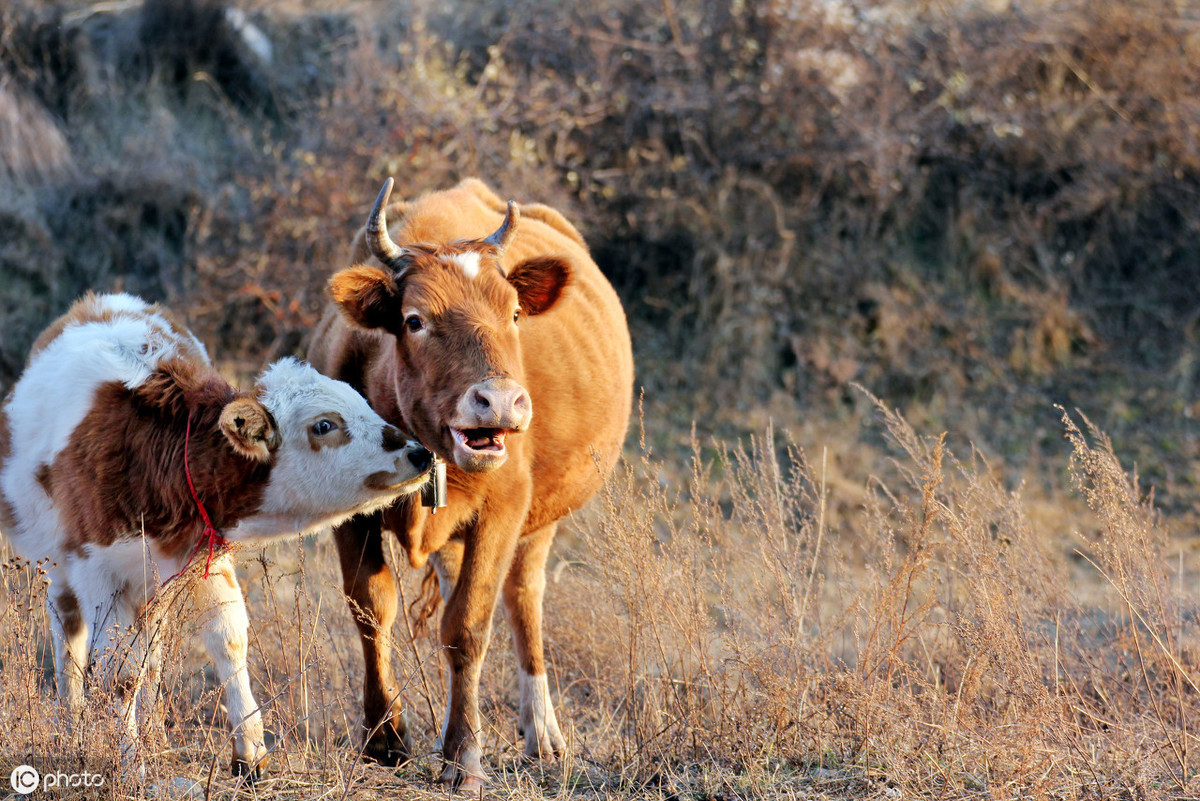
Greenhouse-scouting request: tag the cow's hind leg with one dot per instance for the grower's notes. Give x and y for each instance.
(224, 629)
(116, 653)
(371, 591)
(524, 588)
(447, 563)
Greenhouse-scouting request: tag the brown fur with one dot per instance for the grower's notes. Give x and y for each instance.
(42, 476)
(570, 351)
(71, 615)
(122, 471)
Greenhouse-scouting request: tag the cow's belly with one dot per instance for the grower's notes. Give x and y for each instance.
(579, 372)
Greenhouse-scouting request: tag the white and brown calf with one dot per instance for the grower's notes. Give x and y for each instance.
(120, 443)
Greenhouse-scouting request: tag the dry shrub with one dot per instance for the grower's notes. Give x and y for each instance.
(758, 171)
(187, 42)
(933, 201)
(32, 145)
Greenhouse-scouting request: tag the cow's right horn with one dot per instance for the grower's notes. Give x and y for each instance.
(504, 234)
(382, 246)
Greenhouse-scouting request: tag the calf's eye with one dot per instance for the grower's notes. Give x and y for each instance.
(322, 427)
(413, 323)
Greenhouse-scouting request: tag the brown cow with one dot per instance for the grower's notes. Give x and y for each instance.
(505, 351)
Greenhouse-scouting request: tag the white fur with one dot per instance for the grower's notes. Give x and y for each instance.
(537, 718)
(468, 262)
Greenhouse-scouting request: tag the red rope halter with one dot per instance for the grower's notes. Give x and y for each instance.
(210, 535)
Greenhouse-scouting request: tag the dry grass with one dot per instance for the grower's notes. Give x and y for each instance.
(720, 638)
(977, 211)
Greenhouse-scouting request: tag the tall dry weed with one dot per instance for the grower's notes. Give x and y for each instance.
(942, 641)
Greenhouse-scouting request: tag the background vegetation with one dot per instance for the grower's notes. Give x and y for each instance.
(976, 211)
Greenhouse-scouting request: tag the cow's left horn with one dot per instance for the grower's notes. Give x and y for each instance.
(382, 246)
(504, 233)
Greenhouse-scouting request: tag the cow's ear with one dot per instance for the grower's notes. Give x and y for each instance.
(366, 295)
(540, 282)
(250, 429)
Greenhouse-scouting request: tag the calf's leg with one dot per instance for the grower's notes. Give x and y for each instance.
(70, 635)
(117, 654)
(371, 592)
(524, 588)
(224, 629)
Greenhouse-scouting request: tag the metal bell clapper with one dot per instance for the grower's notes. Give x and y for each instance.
(433, 494)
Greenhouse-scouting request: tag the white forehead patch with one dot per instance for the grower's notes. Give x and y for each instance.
(468, 262)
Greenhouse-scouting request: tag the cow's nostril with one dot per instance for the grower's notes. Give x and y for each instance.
(421, 459)
(481, 401)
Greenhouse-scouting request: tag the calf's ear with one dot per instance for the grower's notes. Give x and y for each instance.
(366, 295)
(250, 429)
(540, 282)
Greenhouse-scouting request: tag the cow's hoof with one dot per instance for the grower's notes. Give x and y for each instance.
(388, 747)
(455, 778)
(464, 775)
(543, 740)
(550, 745)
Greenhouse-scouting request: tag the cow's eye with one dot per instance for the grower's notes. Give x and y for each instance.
(414, 323)
(323, 427)
(516, 315)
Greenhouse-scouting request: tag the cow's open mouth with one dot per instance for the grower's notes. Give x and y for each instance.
(481, 440)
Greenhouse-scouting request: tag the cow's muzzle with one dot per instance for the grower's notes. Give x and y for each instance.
(487, 413)
(498, 403)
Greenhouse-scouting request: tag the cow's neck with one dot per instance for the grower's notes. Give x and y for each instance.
(228, 485)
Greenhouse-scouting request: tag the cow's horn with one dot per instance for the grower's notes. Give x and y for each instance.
(504, 233)
(382, 246)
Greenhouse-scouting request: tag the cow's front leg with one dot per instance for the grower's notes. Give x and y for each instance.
(524, 588)
(465, 631)
(224, 630)
(371, 592)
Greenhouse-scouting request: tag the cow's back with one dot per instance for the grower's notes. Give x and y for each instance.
(102, 340)
(577, 356)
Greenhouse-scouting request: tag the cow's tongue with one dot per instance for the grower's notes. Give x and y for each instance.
(485, 439)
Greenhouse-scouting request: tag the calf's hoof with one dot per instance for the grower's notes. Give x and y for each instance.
(253, 771)
(252, 762)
